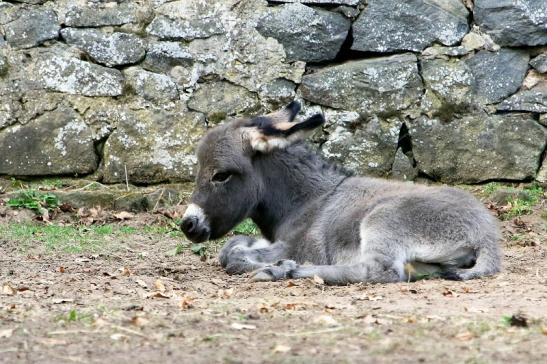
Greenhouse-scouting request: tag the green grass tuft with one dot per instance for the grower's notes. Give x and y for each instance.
(519, 206)
(199, 249)
(34, 200)
(247, 227)
(51, 183)
(55, 238)
(491, 187)
(75, 316)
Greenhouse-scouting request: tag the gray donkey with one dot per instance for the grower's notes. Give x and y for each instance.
(349, 229)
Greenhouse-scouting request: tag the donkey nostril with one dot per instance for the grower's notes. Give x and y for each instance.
(189, 224)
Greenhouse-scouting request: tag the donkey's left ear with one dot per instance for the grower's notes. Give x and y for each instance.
(278, 130)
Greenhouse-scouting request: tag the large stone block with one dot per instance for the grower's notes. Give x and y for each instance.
(246, 58)
(540, 62)
(189, 19)
(154, 145)
(412, 25)
(98, 15)
(367, 148)
(165, 27)
(533, 100)
(32, 27)
(110, 49)
(478, 147)
(221, 99)
(513, 23)
(449, 87)
(403, 168)
(498, 74)
(382, 85)
(319, 2)
(70, 75)
(307, 34)
(151, 86)
(10, 109)
(162, 56)
(57, 143)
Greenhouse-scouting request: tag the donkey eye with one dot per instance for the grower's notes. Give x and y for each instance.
(221, 176)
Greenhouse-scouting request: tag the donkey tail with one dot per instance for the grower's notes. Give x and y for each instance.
(488, 263)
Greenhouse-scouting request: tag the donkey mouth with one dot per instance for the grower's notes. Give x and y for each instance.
(199, 237)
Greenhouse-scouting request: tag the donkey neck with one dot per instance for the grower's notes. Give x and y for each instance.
(291, 178)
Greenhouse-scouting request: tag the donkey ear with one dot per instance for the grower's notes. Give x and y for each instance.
(278, 130)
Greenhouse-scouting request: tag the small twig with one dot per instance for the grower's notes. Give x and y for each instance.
(69, 358)
(9, 350)
(89, 185)
(126, 179)
(305, 333)
(158, 200)
(71, 332)
(136, 333)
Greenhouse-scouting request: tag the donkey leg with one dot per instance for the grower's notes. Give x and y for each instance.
(245, 254)
(374, 268)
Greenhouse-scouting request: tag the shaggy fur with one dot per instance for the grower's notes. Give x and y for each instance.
(345, 228)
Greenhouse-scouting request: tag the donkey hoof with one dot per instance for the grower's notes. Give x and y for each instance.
(262, 276)
(280, 270)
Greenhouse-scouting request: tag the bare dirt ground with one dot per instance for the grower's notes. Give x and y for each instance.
(129, 297)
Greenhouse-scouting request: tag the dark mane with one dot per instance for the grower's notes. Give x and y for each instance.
(310, 155)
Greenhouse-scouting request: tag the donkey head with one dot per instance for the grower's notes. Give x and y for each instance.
(228, 188)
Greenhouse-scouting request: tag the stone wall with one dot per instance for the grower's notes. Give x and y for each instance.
(451, 90)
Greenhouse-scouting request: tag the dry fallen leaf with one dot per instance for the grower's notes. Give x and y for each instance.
(52, 342)
(475, 309)
(375, 298)
(464, 336)
(6, 333)
(124, 215)
(8, 290)
(435, 318)
(225, 293)
(290, 306)
(141, 283)
(369, 298)
(118, 337)
(281, 349)
(262, 308)
(138, 321)
(100, 323)
(159, 285)
(156, 295)
(374, 320)
(447, 292)
(124, 271)
(466, 289)
(186, 302)
(410, 320)
(326, 320)
(238, 326)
